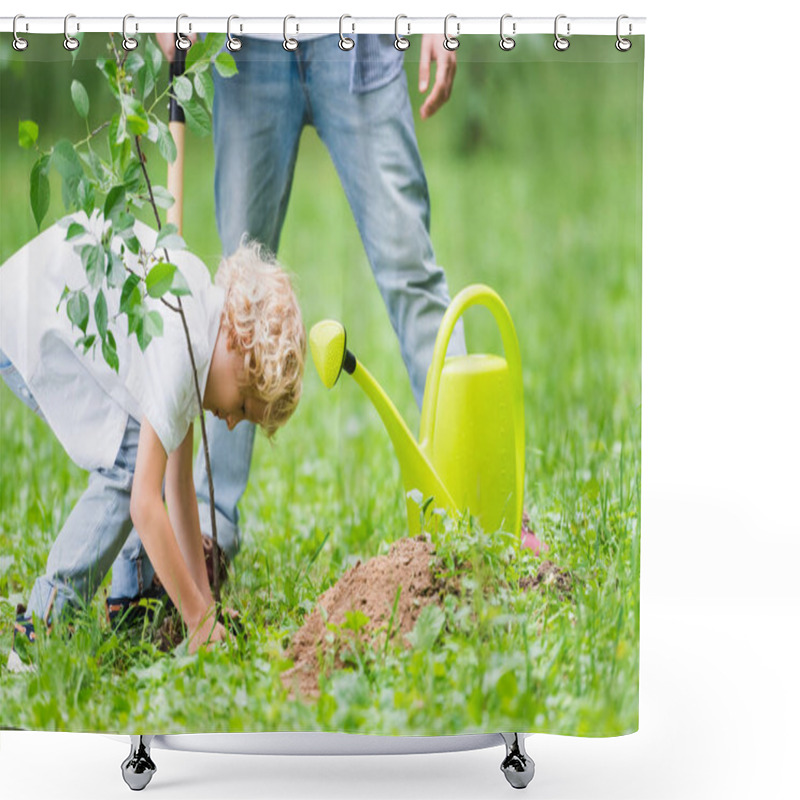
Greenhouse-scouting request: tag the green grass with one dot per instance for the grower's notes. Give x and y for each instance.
(535, 176)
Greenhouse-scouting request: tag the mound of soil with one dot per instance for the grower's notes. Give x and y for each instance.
(370, 588)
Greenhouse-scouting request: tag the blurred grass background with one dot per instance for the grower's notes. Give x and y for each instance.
(534, 169)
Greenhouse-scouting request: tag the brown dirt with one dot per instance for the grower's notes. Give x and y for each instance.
(549, 575)
(370, 588)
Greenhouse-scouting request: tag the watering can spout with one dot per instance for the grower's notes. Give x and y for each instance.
(328, 340)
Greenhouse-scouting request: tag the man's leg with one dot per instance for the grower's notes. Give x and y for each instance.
(258, 116)
(372, 142)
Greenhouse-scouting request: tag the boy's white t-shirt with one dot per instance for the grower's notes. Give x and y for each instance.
(85, 402)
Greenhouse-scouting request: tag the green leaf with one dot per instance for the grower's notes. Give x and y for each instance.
(159, 279)
(146, 82)
(101, 314)
(429, 624)
(130, 297)
(180, 286)
(168, 237)
(94, 262)
(196, 53)
(115, 269)
(152, 130)
(204, 86)
(134, 62)
(86, 341)
(132, 177)
(182, 87)
(116, 136)
(214, 41)
(75, 229)
(28, 133)
(197, 118)
(64, 295)
(96, 169)
(110, 352)
(78, 310)
(66, 160)
(131, 241)
(40, 190)
(136, 116)
(124, 222)
(115, 203)
(80, 98)
(147, 327)
(84, 195)
(69, 166)
(154, 324)
(225, 65)
(162, 197)
(152, 56)
(108, 66)
(166, 144)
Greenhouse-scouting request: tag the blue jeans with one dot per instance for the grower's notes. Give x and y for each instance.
(259, 115)
(96, 528)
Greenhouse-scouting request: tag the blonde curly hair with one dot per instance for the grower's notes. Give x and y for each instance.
(264, 324)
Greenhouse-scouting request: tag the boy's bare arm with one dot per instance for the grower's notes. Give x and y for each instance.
(152, 522)
(182, 506)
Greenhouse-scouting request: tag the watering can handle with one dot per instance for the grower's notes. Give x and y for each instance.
(478, 294)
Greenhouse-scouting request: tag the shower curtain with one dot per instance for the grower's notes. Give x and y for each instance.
(475, 572)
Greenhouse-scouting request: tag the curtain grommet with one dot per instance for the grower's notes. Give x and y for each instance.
(622, 44)
(18, 43)
(181, 42)
(507, 42)
(70, 42)
(451, 42)
(233, 44)
(400, 42)
(289, 44)
(560, 43)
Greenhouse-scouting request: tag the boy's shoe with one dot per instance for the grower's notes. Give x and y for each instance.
(19, 659)
(131, 611)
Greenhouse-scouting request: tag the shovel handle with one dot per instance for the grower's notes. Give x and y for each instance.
(177, 127)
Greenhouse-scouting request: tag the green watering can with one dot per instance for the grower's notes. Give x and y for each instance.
(471, 450)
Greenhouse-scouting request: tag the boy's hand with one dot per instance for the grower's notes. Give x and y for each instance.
(207, 632)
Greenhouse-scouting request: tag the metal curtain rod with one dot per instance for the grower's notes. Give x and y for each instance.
(406, 26)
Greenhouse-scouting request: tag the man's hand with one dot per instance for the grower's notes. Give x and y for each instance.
(433, 50)
(166, 41)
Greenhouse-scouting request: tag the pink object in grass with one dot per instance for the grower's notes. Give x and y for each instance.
(530, 539)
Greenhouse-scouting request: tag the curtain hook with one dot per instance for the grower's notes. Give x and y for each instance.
(19, 43)
(181, 42)
(400, 42)
(70, 42)
(345, 42)
(451, 42)
(288, 43)
(623, 45)
(507, 42)
(233, 44)
(560, 43)
(128, 42)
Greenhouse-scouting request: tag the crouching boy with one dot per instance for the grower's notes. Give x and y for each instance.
(132, 428)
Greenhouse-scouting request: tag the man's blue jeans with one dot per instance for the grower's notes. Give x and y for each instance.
(259, 115)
